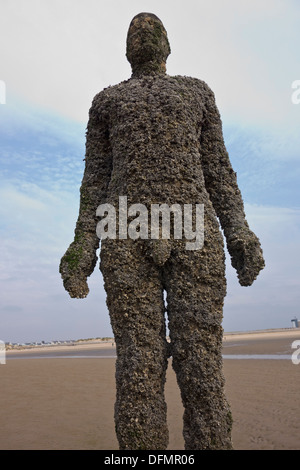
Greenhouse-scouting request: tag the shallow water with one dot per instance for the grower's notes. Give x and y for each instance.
(257, 356)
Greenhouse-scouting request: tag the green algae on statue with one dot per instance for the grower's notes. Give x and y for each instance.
(158, 139)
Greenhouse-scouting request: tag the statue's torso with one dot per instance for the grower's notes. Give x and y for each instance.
(154, 126)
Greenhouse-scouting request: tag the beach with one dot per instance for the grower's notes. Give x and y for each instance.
(67, 401)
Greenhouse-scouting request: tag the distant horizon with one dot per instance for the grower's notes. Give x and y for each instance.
(107, 338)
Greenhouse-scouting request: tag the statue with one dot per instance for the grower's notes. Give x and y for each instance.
(157, 139)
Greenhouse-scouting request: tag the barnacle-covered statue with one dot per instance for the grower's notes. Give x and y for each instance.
(157, 139)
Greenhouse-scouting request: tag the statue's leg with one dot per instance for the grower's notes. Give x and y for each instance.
(196, 286)
(135, 302)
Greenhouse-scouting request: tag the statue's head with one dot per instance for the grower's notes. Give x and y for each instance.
(147, 45)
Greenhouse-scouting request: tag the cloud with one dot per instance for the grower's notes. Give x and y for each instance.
(246, 51)
(37, 227)
(267, 164)
(40, 148)
(70, 50)
(65, 50)
(273, 298)
(41, 171)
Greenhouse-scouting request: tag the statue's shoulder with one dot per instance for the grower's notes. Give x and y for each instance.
(198, 88)
(108, 95)
(192, 82)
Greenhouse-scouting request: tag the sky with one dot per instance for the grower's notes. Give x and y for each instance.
(55, 56)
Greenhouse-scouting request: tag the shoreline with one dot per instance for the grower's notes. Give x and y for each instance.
(239, 336)
(92, 344)
(260, 334)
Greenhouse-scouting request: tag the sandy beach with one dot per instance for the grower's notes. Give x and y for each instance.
(68, 403)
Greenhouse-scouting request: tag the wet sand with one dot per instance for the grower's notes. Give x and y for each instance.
(68, 403)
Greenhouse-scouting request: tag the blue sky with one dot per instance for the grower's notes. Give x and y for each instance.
(55, 56)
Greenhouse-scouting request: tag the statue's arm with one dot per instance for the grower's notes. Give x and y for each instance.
(221, 184)
(80, 258)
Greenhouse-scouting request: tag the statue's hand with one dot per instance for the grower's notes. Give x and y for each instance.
(75, 266)
(77, 288)
(246, 255)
